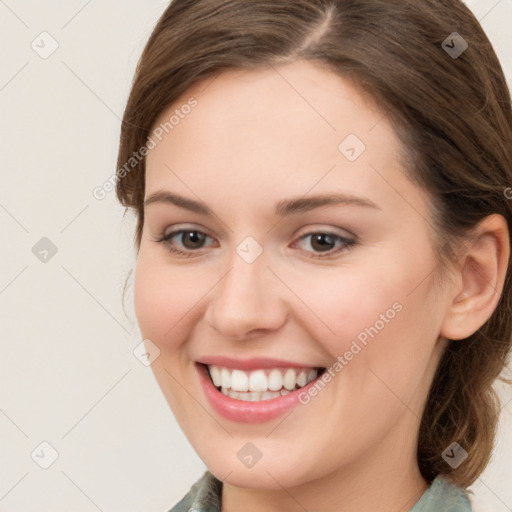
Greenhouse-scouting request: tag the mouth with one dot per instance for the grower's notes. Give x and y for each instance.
(260, 384)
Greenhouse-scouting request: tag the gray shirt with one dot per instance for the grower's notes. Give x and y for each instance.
(442, 496)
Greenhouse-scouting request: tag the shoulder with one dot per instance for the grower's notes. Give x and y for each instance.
(443, 495)
(203, 496)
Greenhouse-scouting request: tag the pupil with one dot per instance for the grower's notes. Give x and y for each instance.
(321, 238)
(195, 237)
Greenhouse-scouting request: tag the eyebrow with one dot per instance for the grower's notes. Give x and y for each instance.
(283, 208)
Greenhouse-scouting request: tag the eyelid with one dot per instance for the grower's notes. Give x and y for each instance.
(328, 230)
(347, 243)
(185, 227)
(178, 230)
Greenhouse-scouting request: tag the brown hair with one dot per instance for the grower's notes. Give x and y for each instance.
(452, 113)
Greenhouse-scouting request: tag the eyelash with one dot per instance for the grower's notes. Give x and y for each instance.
(349, 244)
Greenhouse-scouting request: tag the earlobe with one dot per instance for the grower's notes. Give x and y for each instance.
(480, 280)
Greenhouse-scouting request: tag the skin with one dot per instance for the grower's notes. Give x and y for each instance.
(255, 138)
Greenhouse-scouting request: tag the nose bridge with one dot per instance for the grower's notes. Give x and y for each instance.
(246, 299)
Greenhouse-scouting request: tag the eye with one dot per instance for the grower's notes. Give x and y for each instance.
(191, 240)
(324, 243)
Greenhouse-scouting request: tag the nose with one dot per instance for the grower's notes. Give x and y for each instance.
(247, 301)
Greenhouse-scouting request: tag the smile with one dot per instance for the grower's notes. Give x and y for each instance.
(263, 400)
(260, 384)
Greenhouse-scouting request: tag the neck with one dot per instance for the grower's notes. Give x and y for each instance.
(386, 479)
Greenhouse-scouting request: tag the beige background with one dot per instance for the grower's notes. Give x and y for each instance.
(68, 376)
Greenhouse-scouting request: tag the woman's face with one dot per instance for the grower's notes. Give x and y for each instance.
(274, 278)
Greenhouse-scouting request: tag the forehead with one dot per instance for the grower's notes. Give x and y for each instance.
(279, 131)
(281, 93)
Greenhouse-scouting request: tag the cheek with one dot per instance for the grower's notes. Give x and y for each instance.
(165, 300)
(150, 300)
(166, 306)
(387, 306)
(344, 302)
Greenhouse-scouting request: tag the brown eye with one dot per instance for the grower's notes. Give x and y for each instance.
(322, 241)
(192, 239)
(184, 242)
(325, 244)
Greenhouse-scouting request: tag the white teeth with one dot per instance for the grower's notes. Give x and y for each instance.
(275, 380)
(290, 379)
(225, 378)
(239, 381)
(302, 379)
(258, 381)
(253, 396)
(215, 374)
(261, 384)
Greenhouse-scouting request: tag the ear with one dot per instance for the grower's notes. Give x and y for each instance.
(479, 279)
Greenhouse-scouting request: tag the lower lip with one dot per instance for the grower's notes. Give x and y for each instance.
(249, 412)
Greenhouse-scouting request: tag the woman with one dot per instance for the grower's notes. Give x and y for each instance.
(323, 247)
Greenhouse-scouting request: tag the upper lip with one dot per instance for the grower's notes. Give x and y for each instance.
(252, 363)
